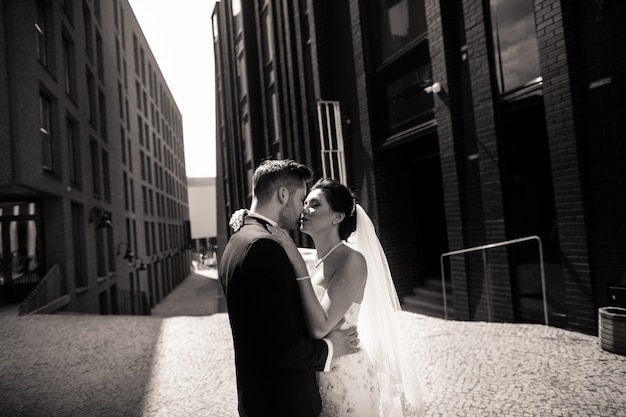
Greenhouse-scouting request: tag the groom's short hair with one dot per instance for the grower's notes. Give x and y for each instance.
(272, 174)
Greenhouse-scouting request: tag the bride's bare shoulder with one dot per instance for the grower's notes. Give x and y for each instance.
(352, 258)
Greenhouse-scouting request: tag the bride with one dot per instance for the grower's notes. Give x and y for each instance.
(351, 280)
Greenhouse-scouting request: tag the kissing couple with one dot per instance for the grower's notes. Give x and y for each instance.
(297, 349)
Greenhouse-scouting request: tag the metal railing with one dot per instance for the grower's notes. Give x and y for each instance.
(48, 290)
(487, 280)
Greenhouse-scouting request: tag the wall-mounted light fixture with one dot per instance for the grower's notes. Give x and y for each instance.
(102, 218)
(128, 254)
(434, 88)
(141, 266)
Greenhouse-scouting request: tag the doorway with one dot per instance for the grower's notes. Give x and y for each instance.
(411, 211)
(529, 207)
(20, 249)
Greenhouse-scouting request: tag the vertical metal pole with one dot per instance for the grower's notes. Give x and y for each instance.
(487, 283)
(543, 283)
(443, 288)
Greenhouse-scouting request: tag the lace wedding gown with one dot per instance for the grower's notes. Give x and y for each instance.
(350, 388)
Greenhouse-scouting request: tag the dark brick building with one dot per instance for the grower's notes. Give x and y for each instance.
(93, 191)
(462, 124)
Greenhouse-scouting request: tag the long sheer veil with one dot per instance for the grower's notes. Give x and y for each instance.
(379, 327)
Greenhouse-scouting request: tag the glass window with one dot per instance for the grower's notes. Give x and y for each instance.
(88, 30)
(68, 8)
(238, 18)
(73, 147)
(45, 115)
(136, 53)
(401, 22)
(407, 100)
(96, 6)
(40, 32)
(95, 167)
(100, 258)
(515, 43)
(99, 55)
(274, 122)
(123, 144)
(242, 79)
(102, 115)
(106, 176)
(126, 199)
(91, 92)
(247, 137)
(68, 66)
(268, 37)
(142, 162)
(78, 242)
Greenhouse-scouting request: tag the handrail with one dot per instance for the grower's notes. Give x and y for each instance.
(46, 291)
(483, 248)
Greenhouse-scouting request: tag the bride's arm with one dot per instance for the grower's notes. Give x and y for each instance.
(347, 282)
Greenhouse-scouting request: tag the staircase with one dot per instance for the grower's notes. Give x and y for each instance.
(427, 299)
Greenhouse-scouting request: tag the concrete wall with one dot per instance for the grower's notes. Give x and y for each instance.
(202, 207)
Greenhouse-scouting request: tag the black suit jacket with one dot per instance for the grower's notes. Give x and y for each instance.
(275, 358)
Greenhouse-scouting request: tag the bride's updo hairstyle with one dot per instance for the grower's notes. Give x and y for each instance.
(341, 200)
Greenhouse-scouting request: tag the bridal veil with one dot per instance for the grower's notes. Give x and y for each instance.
(379, 327)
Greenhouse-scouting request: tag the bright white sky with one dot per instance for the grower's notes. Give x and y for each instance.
(180, 36)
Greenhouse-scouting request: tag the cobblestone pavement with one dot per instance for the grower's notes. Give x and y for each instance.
(84, 365)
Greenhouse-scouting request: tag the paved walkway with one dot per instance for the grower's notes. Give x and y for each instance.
(179, 363)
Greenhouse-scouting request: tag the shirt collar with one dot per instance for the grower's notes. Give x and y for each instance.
(266, 219)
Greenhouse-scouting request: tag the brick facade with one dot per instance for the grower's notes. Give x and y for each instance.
(580, 95)
(103, 43)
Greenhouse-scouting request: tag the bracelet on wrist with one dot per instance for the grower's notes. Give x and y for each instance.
(303, 278)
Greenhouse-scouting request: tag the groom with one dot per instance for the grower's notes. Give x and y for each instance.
(275, 358)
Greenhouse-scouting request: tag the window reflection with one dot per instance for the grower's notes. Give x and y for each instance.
(515, 43)
(401, 22)
(406, 99)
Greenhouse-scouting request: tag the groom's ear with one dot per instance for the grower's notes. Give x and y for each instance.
(283, 195)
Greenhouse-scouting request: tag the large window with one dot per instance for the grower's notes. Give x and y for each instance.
(102, 115)
(106, 175)
(401, 101)
(88, 30)
(45, 131)
(95, 167)
(73, 150)
(515, 46)
(78, 242)
(400, 22)
(91, 95)
(69, 66)
(41, 33)
(407, 102)
(401, 107)
(99, 55)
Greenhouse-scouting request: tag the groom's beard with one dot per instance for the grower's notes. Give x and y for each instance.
(287, 218)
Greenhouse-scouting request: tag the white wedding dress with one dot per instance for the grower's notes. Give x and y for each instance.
(350, 388)
(380, 380)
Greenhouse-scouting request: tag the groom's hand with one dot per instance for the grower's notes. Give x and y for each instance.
(344, 341)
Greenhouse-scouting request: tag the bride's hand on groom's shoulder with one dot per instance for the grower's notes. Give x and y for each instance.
(285, 240)
(237, 218)
(282, 236)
